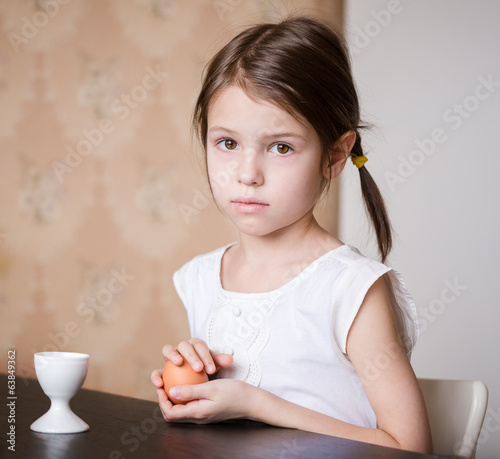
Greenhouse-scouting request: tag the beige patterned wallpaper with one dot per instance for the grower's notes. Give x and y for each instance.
(102, 195)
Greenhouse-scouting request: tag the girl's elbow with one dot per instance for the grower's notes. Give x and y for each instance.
(423, 446)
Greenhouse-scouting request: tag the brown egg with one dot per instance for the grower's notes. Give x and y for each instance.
(175, 375)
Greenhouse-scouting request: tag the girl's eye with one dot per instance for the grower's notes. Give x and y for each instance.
(228, 144)
(281, 148)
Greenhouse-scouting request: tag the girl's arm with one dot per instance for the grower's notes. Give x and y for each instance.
(380, 360)
(392, 390)
(379, 357)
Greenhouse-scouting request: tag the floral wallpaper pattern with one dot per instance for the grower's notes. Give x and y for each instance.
(102, 194)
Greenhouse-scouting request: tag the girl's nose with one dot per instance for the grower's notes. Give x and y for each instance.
(250, 171)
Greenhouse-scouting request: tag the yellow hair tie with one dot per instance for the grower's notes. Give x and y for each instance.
(359, 161)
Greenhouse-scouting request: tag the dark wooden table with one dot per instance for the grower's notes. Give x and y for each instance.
(124, 427)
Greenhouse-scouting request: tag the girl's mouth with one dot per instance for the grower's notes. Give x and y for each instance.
(249, 205)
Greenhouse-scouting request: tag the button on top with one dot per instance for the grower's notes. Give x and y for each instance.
(228, 350)
(236, 311)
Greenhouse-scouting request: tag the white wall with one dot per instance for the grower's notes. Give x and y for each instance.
(421, 71)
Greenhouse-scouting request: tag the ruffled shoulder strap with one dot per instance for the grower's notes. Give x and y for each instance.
(358, 275)
(195, 276)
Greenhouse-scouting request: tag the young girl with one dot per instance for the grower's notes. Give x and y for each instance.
(295, 328)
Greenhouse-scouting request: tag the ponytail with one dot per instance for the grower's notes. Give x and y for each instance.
(374, 203)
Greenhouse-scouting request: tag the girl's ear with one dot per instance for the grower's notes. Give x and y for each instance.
(339, 154)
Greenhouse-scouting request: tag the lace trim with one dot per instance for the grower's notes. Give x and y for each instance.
(240, 327)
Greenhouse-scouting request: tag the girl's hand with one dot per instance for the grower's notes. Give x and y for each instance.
(213, 401)
(197, 354)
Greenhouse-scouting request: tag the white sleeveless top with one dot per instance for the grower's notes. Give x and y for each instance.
(292, 341)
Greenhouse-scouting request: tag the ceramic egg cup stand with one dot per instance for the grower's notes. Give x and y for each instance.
(61, 375)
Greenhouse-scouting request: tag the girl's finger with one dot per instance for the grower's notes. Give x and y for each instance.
(188, 392)
(190, 354)
(175, 413)
(222, 360)
(156, 378)
(205, 355)
(164, 403)
(171, 353)
(162, 397)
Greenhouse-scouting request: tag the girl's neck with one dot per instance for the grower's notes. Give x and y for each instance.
(280, 244)
(264, 263)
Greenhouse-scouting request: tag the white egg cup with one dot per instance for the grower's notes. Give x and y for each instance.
(61, 375)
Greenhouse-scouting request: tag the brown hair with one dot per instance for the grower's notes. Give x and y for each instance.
(302, 66)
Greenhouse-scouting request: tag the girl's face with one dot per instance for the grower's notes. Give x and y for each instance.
(263, 164)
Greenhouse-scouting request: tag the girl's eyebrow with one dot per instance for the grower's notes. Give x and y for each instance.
(285, 134)
(267, 134)
(220, 128)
